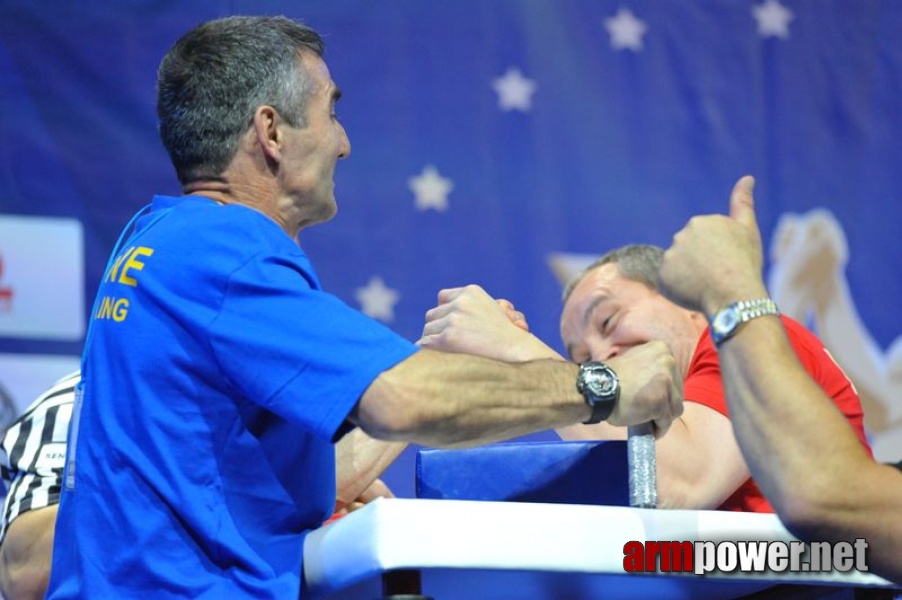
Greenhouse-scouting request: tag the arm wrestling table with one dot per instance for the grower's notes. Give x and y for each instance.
(474, 550)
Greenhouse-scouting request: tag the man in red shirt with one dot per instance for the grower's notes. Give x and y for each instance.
(615, 304)
(611, 307)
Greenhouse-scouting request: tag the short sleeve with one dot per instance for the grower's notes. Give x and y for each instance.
(296, 350)
(704, 383)
(34, 452)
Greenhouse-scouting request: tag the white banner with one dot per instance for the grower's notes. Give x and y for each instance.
(23, 377)
(41, 278)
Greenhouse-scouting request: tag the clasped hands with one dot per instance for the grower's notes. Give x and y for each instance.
(467, 319)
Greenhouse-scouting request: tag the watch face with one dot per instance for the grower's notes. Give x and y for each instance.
(600, 387)
(725, 320)
(599, 381)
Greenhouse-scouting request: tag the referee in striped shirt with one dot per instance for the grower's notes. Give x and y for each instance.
(31, 463)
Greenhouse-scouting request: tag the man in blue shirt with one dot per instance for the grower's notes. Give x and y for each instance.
(217, 374)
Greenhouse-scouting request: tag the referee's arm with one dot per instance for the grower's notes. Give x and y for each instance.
(25, 554)
(31, 465)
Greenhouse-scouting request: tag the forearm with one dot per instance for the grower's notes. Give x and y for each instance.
(359, 461)
(442, 399)
(597, 432)
(802, 452)
(798, 446)
(796, 442)
(25, 555)
(699, 464)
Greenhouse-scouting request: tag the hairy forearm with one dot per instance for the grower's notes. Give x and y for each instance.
(442, 399)
(773, 403)
(359, 461)
(798, 446)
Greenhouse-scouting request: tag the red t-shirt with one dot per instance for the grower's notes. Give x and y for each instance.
(704, 386)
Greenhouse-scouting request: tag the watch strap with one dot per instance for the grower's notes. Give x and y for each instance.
(601, 402)
(744, 311)
(600, 412)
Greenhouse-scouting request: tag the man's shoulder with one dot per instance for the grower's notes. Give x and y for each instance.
(230, 234)
(703, 383)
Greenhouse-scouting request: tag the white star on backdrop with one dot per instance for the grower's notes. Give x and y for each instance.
(377, 300)
(431, 189)
(514, 91)
(566, 266)
(773, 19)
(626, 30)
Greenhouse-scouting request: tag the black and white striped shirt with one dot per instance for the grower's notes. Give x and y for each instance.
(33, 452)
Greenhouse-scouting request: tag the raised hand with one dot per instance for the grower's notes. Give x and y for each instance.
(716, 259)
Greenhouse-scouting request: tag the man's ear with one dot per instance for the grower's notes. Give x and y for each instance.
(267, 131)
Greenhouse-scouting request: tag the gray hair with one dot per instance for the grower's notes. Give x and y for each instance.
(215, 76)
(638, 262)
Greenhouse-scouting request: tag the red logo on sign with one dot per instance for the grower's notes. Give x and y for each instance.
(6, 293)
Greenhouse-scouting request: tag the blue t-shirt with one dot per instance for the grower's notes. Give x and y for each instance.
(217, 375)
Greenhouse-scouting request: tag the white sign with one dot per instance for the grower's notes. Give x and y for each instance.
(23, 377)
(41, 278)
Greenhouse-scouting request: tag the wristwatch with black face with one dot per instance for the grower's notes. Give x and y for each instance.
(600, 386)
(727, 321)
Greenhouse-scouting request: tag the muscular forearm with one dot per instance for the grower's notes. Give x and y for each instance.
(802, 452)
(359, 461)
(699, 464)
(443, 399)
(772, 402)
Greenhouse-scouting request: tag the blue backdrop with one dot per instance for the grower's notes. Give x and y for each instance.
(490, 137)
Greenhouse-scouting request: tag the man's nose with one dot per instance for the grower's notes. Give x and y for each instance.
(344, 150)
(604, 351)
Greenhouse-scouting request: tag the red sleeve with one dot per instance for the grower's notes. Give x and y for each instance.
(703, 384)
(823, 368)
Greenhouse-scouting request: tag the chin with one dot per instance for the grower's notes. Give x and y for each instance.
(326, 212)
(331, 210)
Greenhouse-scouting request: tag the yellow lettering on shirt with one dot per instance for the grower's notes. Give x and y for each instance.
(134, 264)
(112, 308)
(111, 276)
(125, 270)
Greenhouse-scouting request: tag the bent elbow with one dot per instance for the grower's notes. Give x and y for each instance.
(23, 581)
(805, 513)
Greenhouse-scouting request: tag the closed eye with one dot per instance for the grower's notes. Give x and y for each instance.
(608, 323)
